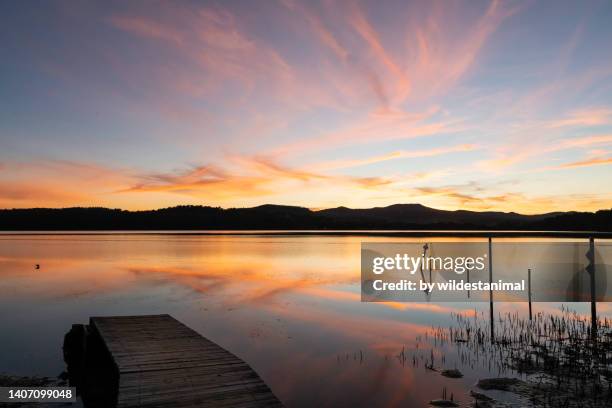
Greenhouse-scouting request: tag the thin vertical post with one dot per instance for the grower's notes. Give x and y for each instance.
(529, 290)
(491, 290)
(591, 257)
(468, 279)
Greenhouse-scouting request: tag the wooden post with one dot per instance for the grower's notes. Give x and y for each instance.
(529, 290)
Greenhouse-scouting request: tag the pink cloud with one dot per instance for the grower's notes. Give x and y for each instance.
(400, 154)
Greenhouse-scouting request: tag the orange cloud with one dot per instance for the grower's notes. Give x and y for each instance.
(13, 194)
(461, 196)
(596, 161)
(253, 177)
(475, 197)
(199, 181)
(53, 183)
(249, 181)
(269, 167)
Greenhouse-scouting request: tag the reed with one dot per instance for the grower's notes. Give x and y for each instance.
(562, 361)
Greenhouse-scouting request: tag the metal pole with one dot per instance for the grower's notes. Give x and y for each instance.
(491, 291)
(529, 289)
(468, 279)
(593, 299)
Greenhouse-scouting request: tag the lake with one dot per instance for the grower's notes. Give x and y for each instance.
(288, 305)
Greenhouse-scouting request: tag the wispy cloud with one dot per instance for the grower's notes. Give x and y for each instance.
(250, 177)
(595, 161)
(309, 103)
(400, 154)
(147, 28)
(484, 200)
(373, 129)
(517, 153)
(584, 118)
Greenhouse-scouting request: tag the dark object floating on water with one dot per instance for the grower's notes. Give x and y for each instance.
(502, 384)
(155, 361)
(480, 396)
(452, 373)
(37, 266)
(443, 402)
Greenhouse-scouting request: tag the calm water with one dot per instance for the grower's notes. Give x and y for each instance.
(288, 305)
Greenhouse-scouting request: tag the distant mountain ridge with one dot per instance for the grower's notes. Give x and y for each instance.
(269, 216)
(419, 214)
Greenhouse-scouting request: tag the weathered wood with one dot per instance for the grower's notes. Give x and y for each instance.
(163, 363)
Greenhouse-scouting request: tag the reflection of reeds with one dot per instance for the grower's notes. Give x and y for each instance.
(559, 354)
(357, 356)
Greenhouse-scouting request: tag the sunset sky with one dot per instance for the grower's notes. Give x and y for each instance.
(476, 105)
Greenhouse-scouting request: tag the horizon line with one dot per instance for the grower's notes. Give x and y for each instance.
(312, 209)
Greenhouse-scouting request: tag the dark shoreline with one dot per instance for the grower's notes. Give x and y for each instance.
(353, 233)
(407, 219)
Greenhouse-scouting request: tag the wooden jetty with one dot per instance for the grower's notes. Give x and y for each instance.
(161, 363)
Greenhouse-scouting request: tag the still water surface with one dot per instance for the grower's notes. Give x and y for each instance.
(288, 305)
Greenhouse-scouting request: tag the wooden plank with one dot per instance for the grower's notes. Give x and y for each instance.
(163, 363)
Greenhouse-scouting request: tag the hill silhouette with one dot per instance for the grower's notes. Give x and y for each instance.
(398, 216)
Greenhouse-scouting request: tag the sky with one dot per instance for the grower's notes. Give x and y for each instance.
(478, 105)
